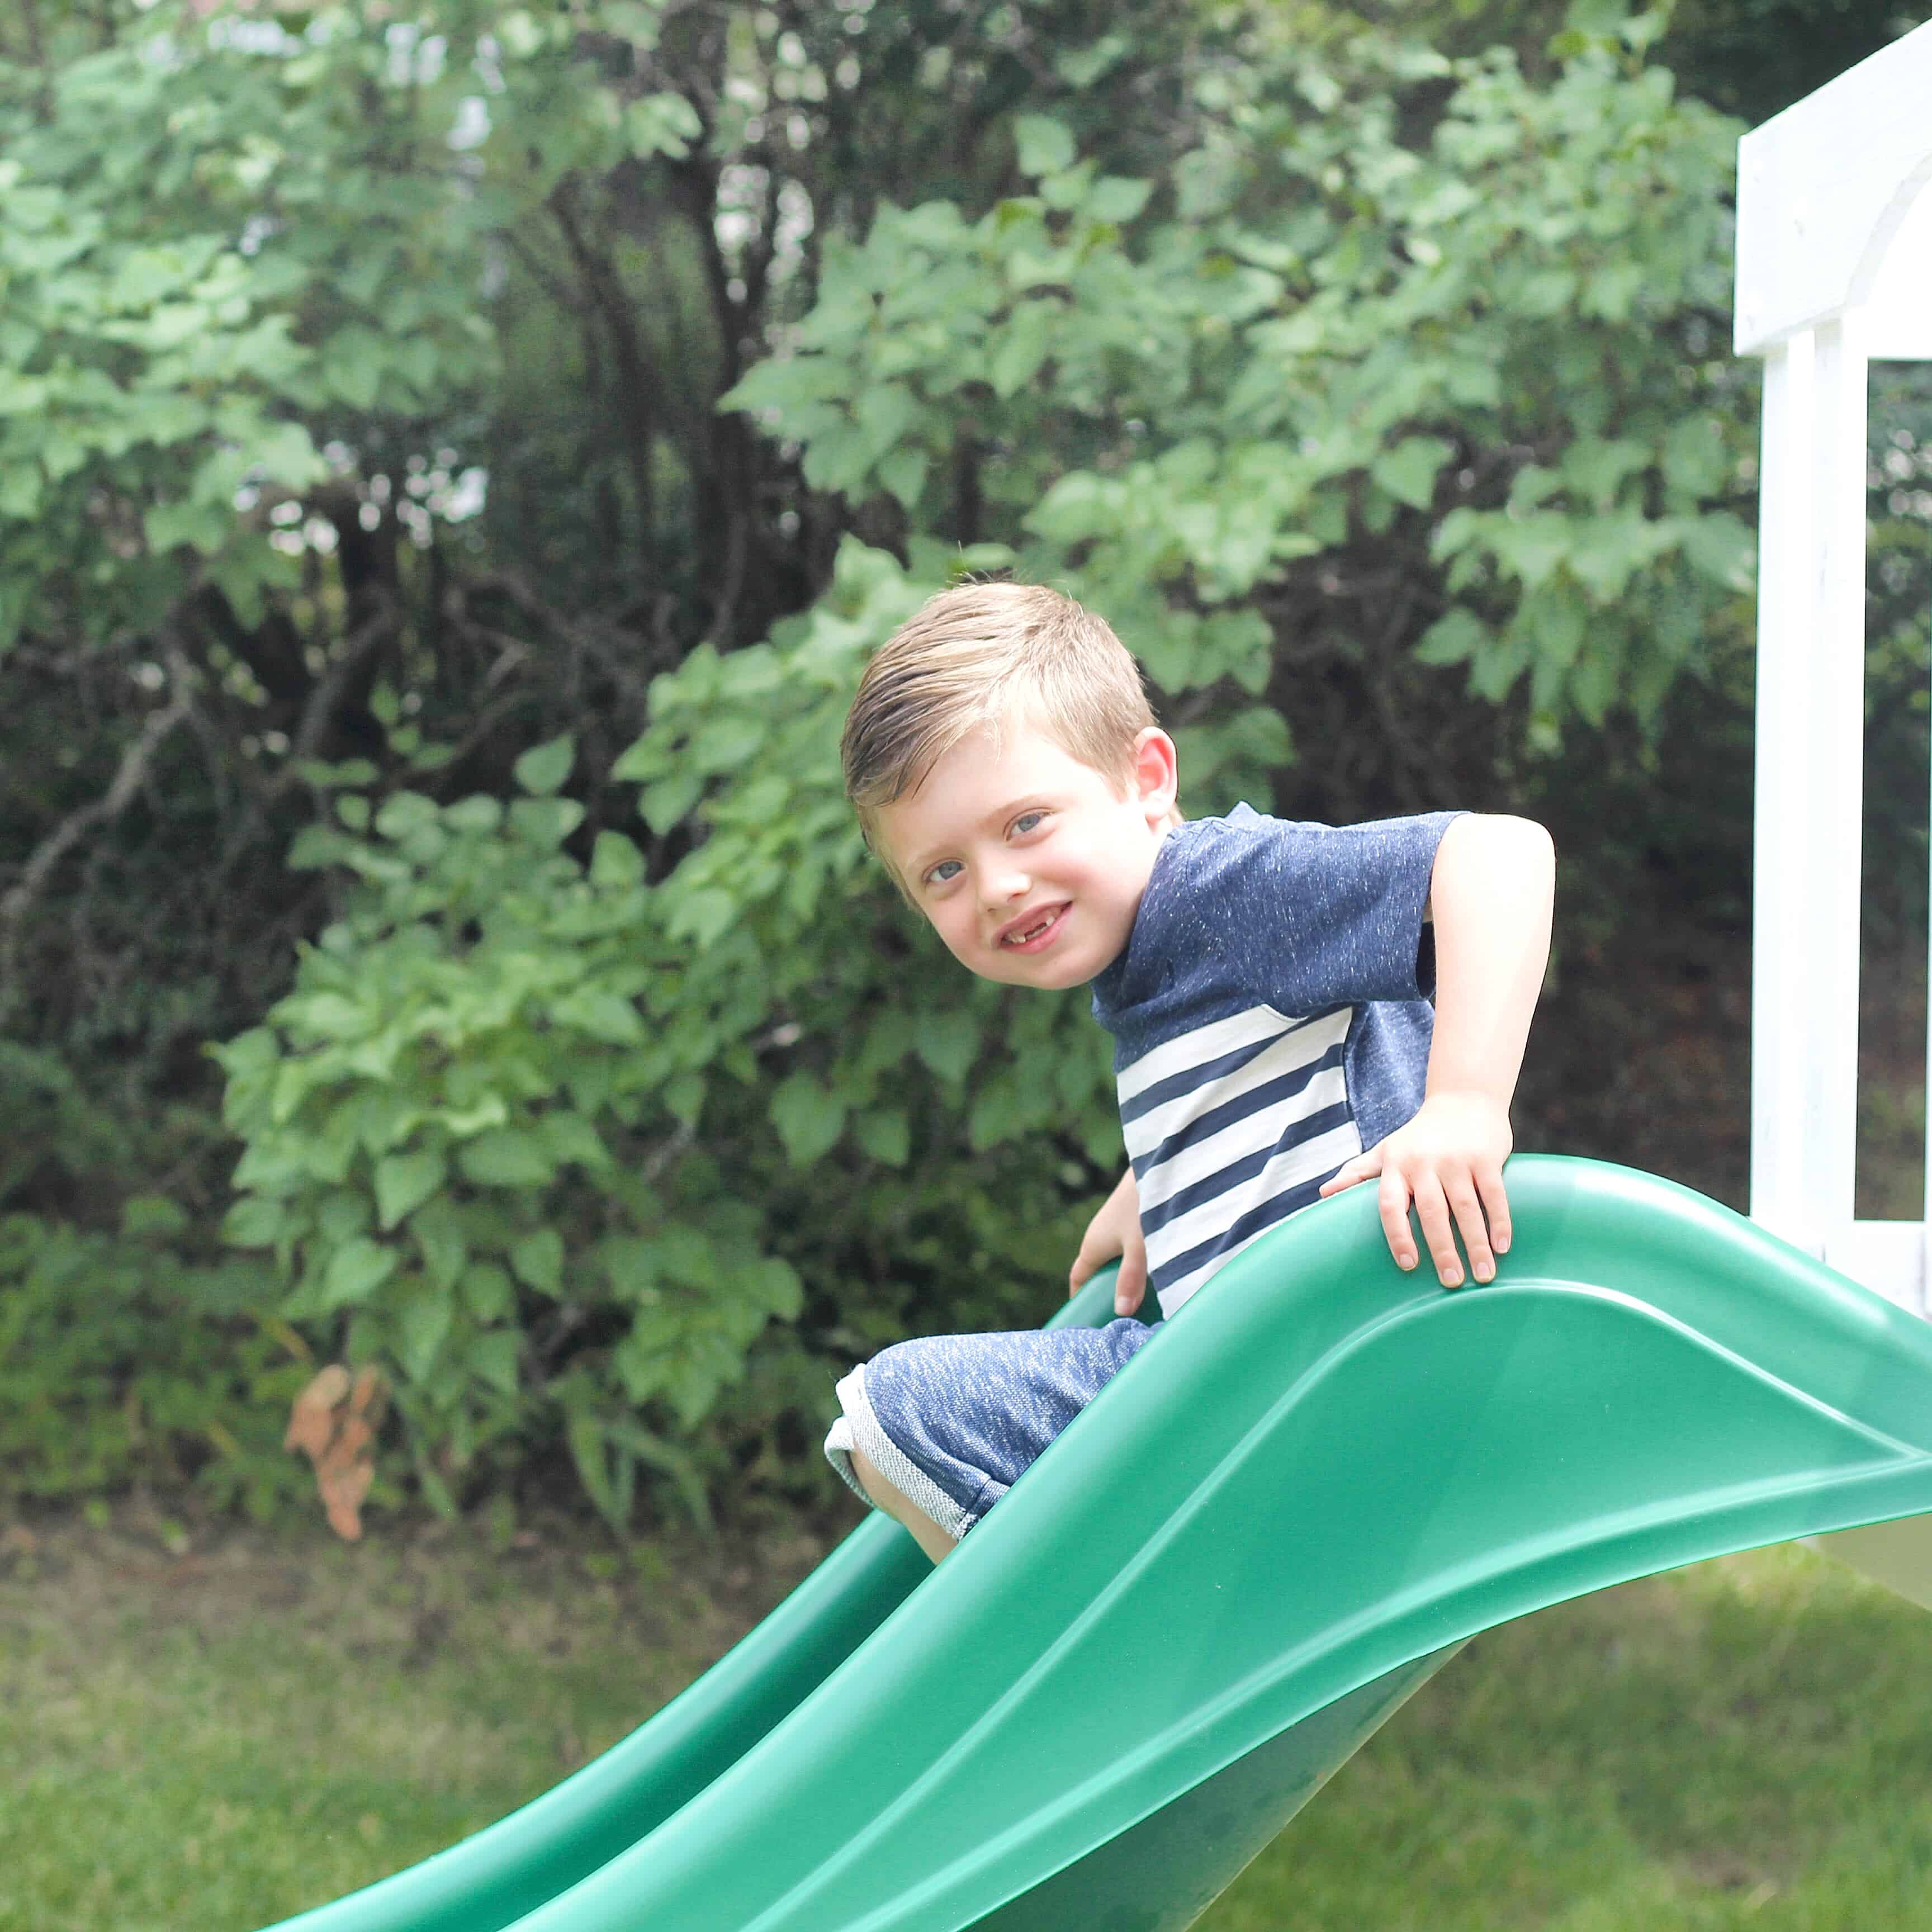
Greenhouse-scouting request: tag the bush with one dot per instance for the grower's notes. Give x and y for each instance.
(124, 1361)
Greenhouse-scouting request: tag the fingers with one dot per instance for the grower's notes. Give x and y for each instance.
(1352, 1173)
(1452, 1192)
(1496, 1205)
(1130, 1286)
(1393, 1199)
(1465, 1205)
(1114, 1230)
(1438, 1234)
(1471, 1202)
(1095, 1251)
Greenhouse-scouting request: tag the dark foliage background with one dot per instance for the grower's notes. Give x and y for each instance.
(454, 459)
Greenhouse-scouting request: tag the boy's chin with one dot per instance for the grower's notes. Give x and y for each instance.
(1050, 973)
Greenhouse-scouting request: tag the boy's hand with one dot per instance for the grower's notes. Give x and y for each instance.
(1449, 1161)
(1115, 1230)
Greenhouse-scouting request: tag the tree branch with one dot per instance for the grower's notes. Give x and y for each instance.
(636, 396)
(319, 711)
(128, 780)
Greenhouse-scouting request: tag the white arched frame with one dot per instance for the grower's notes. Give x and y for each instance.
(1835, 271)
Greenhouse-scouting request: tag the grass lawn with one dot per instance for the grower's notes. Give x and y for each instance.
(214, 1738)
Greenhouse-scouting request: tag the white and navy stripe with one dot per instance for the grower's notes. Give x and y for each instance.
(1231, 1128)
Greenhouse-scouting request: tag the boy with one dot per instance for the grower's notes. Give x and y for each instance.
(1267, 985)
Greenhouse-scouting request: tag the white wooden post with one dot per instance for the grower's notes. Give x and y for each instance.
(1834, 267)
(1781, 1150)
(1834, 863)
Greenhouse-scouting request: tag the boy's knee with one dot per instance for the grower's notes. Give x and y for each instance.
(891, 1500)
(901, 1509)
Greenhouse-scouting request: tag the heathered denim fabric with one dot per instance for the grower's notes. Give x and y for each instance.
(1304, 918)
(972, 1411)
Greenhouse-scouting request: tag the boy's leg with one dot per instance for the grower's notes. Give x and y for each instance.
(925, 1532)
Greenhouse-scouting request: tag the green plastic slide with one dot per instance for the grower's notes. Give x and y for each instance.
(1284, 1515)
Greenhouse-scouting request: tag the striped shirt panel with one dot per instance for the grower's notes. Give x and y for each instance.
(1192, 1271)
(1231, 1128)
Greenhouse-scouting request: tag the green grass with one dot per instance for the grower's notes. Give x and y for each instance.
(215, 1740)
(1748, 1743)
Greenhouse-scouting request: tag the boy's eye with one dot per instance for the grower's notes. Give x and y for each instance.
(943, 873)
(1026, 821)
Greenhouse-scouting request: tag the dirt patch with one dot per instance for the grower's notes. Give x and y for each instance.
(134, 1574)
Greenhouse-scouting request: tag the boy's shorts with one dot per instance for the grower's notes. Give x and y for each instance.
(951, 1420)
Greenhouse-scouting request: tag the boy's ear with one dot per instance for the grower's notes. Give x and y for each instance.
(1157, 773)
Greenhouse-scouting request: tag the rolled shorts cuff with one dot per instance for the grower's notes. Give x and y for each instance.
(858, 1428)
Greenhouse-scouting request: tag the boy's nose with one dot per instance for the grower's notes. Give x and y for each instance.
(1001, 885)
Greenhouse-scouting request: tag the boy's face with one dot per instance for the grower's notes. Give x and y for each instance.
(1029, 864)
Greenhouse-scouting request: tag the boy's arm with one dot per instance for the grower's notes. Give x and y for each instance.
(1490, 895)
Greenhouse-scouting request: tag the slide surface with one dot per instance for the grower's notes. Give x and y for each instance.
(1284, 1514)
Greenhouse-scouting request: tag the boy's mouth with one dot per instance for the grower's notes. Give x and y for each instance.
(1031, 930)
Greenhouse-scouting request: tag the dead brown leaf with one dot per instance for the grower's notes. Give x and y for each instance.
(333, 1423)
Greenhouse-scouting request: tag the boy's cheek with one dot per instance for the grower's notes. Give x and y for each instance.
(957, 942)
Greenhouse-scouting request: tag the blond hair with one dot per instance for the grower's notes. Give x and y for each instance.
(977, 655)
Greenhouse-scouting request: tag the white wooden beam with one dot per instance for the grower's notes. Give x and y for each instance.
(1834, 269)
(1822, 188)
(1898, 311)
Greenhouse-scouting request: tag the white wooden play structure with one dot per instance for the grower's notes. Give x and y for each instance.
(1835, 271)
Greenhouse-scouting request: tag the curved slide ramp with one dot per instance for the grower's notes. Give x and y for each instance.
(1282, 1516)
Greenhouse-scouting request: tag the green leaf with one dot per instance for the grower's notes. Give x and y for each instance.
(684, 1096)
(663, 805)
(422, 1322)
(253, 1222)
(661, 123)
(809, 1119)
(1002, 1110)
(477, 813)
(545, 822)
(403, 1182)
(148, 1215)
(488, 1292)
(1044, 146)
(570, 1137)
(1023, 346)
(543, 768)
(1453, 638)
(615, 862)
(903, 473)
(507, 1157)
(355, 1271)
(406, 814)
(1081, 67)
(604, 1016)
(538, 1261)
(1118, 198)
(20, 489)
(949, 1042)
(703, 916)
(884, 1134)
(492, 1358)
(606, 1478)
(438, 1228)
(1408, 472)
